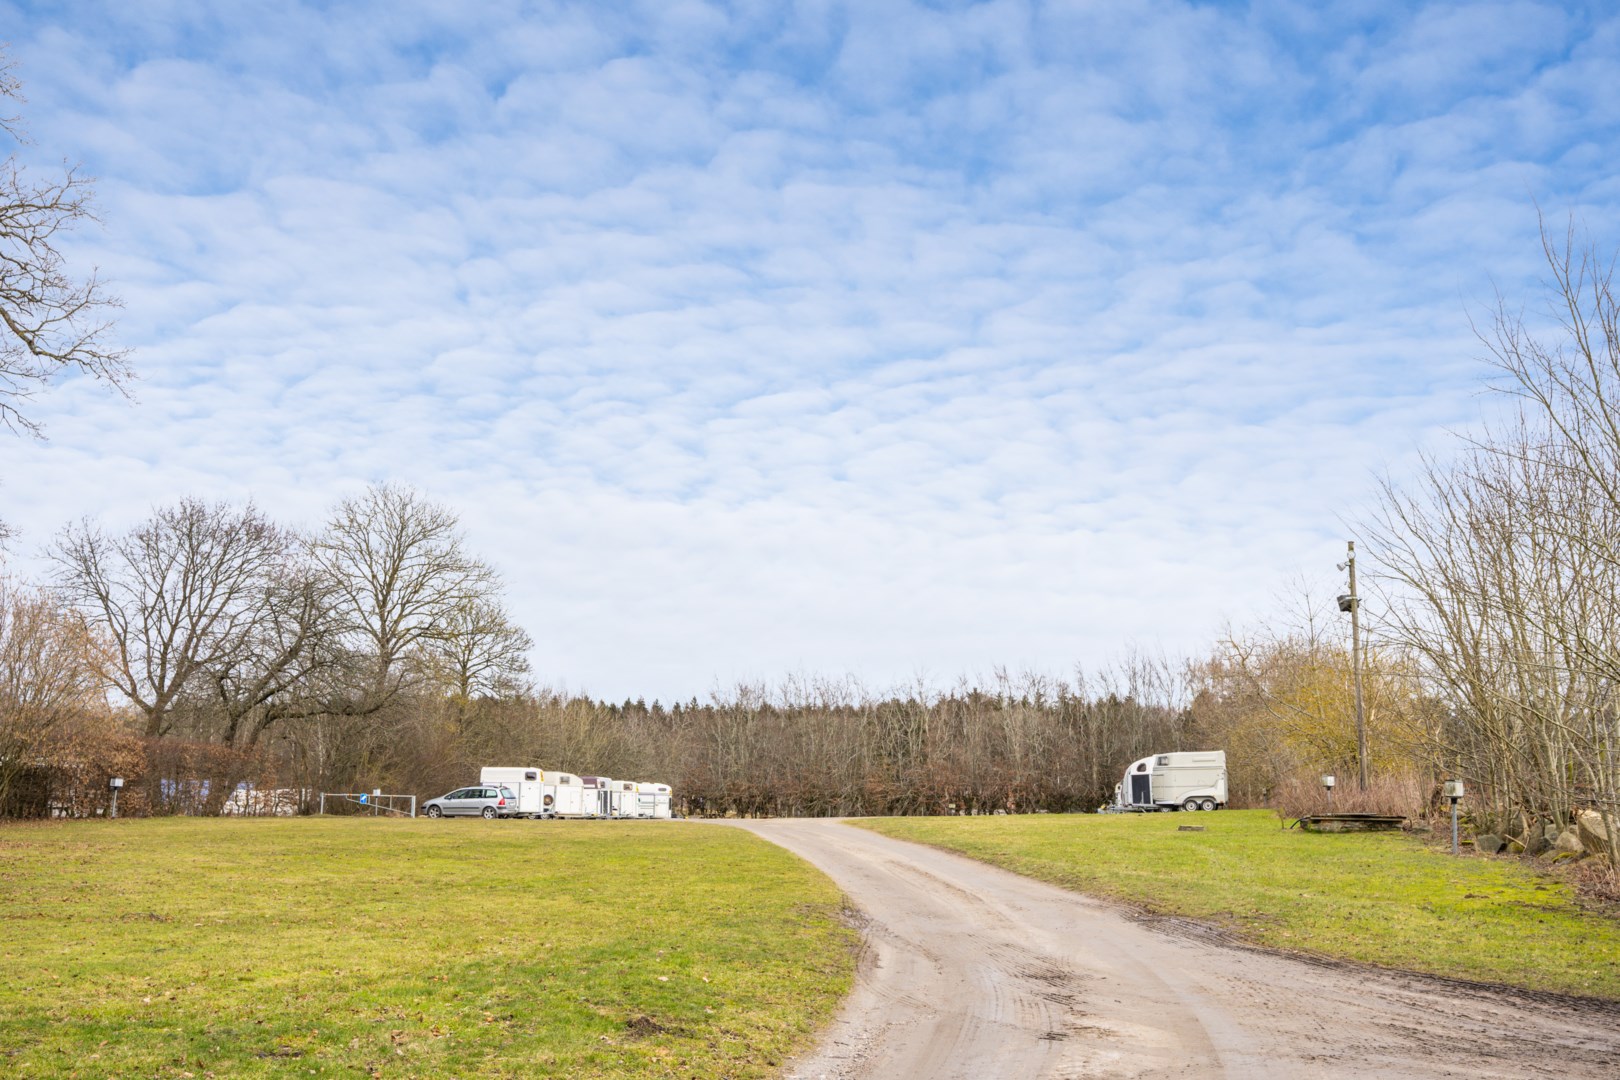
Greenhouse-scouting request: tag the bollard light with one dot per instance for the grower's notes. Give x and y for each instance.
(1327, 785)
(114, 785)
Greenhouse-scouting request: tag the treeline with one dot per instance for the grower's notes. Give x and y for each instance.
(208, 648)
(802, 748)
(823, 747)
(375, 653)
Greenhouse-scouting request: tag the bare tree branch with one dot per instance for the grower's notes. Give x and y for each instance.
(51, 322)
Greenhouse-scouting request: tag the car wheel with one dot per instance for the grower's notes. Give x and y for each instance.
(434, 812)
(489, 813)
(1190, 805)
(1207, 804)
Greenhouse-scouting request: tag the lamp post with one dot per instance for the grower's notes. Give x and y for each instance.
(1453, 790)
(1327, 783)
(114, 785)
(1351, 602)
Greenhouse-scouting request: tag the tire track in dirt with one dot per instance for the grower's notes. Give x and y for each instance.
(971, 971)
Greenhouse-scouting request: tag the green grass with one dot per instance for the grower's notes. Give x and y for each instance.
(1379, 898)
(360, 947)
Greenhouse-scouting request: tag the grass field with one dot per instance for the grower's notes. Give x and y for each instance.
(361, 947)
(1381, 898)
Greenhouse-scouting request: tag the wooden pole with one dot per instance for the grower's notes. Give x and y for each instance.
(1355, 664)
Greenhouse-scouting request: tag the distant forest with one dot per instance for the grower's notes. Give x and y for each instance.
(209, 647)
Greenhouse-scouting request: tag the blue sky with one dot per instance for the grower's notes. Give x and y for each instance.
(879, 338)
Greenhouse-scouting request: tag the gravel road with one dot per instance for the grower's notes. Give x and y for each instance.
(971, 971)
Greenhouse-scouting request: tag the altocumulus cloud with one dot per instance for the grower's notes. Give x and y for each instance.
(873, 337)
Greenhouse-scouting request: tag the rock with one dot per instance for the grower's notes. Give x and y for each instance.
(1593, 833)
(1515, 847)
(1489, 843)
(1569, 842)
(1550, 833)
(1537, 843)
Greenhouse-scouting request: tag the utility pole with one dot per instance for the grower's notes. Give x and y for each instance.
(1355, 665)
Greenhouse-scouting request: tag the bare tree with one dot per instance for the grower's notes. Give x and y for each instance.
(46, 681)
(290, 665)
(52, 322)
(400, 574)
(183, 594)
(1503, 572)
(479, 650)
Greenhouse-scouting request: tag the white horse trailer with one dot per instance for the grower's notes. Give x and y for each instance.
(598, 796)
(661, 807)
(646, 800)
(622, 798)
(1192, 780)
(567, 794)
(525, 783)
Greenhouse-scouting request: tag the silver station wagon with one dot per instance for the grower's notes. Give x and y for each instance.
(485, 800)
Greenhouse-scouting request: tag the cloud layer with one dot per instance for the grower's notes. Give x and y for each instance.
(876, 337)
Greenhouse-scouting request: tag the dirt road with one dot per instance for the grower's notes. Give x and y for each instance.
(971, 971)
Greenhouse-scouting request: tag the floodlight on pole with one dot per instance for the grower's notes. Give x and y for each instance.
(1351, 603)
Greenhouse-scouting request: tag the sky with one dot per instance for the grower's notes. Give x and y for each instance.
(895, 340)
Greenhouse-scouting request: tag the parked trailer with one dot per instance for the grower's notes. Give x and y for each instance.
(545, 793)
(653, 800)
(526, 782)
(646, 799)
(623, 798)
(1189, 780)
(567, 793)
(598, 796)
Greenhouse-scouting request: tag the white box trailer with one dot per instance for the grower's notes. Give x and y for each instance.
(567, 794)
(1188, 780)
(622, 798)
(646, 799)
(526, 782)
(661, 807)
(598, 796)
